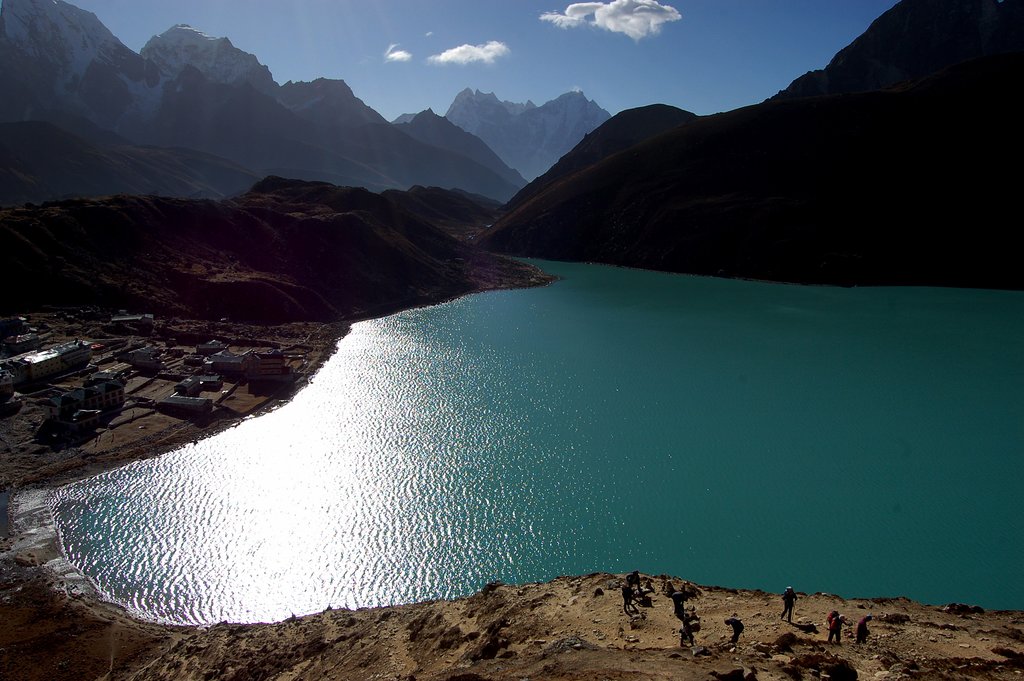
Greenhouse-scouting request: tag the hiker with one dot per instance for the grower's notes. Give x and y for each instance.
(737, 627)
(685, 632)
(862, 628)
(633, 580)
(679, 604)
(627, 600)
(835, 627)
(788, 598)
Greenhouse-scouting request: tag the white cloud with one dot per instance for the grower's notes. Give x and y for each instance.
(636, 18)
(467, 54)
(395, 54)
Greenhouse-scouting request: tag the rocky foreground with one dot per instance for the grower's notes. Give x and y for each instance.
(569, 628)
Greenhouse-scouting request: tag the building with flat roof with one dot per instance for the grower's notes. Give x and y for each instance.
(147, 358)
(211, 347)
(185, 405)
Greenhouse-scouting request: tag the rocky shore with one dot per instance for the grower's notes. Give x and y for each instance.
(569, 628)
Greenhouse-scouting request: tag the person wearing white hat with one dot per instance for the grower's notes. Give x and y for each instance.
(788, 599)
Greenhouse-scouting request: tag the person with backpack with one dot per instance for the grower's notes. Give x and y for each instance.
(737, 627)
(686, 632)
(835, 627)
(788, 599)
(633, 580)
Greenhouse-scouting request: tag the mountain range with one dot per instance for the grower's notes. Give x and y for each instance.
(188, 90)
(527, 137)
(902, 186)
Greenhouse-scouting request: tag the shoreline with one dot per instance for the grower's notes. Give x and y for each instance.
(603, 639)
(31, 546)
(341, 331)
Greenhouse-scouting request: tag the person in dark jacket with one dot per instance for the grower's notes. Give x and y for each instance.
(679, 604)
(788, 599)
(737, 627)
(633, 580)
(628, 606)
(686, 633)
(862, 628)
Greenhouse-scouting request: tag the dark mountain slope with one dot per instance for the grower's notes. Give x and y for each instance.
(438, 131)
(455, 212)
(284, 251)
(914, 39)
(895, 187)
(619, 132)
(409, 161)
(327, 102)
(39, 162)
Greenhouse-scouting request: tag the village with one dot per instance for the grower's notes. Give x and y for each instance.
(89, 382)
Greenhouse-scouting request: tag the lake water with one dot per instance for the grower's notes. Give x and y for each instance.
(865, 442)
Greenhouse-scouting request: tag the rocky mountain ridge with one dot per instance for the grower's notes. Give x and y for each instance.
(913, 39)
(844, 189)
(216, 58)
(619, 132)
(187, 89)
(284, 251)
(527, 137)
(429, 128)
(56, 56)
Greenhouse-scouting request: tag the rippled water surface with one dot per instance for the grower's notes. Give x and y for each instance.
(861, 441)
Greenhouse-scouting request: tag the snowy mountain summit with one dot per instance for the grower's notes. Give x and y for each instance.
(472, 109)
(527, 137)
(57, 49)
(58, 33)
(216, 58)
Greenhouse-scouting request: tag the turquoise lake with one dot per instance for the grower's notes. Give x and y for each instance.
(864, 442)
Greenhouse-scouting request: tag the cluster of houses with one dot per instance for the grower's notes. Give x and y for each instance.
(81, 408)
(215, 358)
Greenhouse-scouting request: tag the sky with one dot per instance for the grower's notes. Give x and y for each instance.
(403, 56)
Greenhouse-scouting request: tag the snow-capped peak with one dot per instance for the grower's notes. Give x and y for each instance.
(216, 58)
(58, 33)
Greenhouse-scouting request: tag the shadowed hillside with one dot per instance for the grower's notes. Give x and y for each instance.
(285, 251)
(915, 39)
(904, 186)
(461, 215)
(619, 132)
(39, 161)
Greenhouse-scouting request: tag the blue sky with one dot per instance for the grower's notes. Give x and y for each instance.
(705, 56)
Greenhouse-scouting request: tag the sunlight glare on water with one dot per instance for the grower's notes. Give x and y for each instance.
(734, 433)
